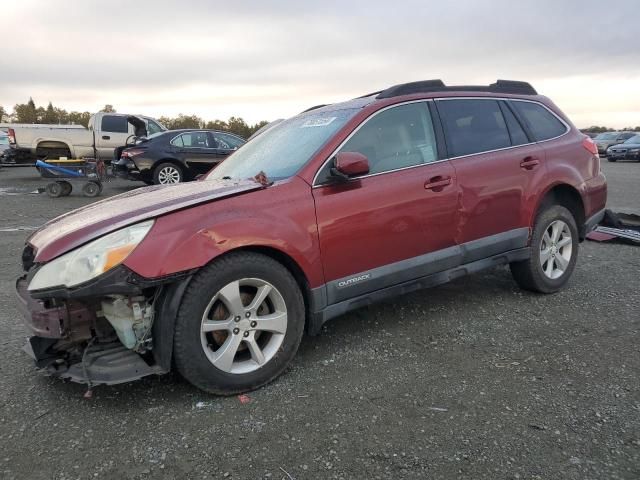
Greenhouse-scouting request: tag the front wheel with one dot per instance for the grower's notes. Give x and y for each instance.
(239, 324)
(554, 251)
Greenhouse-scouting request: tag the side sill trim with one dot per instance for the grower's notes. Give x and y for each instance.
(446, 276)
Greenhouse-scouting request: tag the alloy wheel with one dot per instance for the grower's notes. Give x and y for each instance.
(556, 249)
(168, 175)
(243, 325)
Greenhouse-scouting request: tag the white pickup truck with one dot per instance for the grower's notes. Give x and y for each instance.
(105, 133)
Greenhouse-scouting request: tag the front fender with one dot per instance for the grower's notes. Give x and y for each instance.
(280, 217)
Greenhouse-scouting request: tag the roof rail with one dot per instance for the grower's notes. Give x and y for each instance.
(426, 86)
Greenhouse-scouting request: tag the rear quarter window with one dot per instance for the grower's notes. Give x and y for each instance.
(541, 122)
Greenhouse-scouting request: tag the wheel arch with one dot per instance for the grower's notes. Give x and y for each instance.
(170, 300)
(567, 196)
(48, 144)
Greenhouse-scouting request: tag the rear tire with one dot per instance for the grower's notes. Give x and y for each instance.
(211, 326)
(54, 189)
(167, 174)
(67, 188)
(91, 189)
(554, 252)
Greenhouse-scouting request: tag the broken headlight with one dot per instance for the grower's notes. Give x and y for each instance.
(90, 260)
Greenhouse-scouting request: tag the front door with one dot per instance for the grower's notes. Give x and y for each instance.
(394, 224)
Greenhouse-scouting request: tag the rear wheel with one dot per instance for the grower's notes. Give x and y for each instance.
(54, 189)
(167, 174)
(91, 189)
(554, 251)
(67, 188)
(239, 324)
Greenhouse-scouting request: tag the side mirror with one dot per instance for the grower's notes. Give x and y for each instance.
(349, 164)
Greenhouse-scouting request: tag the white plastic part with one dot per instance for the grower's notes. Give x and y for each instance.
(129, 319)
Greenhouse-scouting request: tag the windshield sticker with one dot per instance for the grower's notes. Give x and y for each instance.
(318, 122)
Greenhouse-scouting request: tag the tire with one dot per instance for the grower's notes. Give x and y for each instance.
(534, 273)
(196, 351)
(167, 174)
(91, 189)
(67, 188)
(609, 159)
(54, 189)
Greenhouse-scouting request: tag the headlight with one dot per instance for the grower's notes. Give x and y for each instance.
(90, 260)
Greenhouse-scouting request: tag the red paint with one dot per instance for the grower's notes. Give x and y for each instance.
(352, 163)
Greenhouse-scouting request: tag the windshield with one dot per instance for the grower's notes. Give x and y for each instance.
(282, 150)
(634, 139)
(606, 136)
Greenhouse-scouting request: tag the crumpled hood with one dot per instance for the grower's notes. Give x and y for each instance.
(77, 227)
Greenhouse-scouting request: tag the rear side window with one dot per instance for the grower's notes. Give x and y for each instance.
(473, 126)
(192, 140)
(227, 142)
(115, 124)
(542, 123)
(518, 137)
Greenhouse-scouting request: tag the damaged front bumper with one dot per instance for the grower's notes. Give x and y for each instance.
(104, 339)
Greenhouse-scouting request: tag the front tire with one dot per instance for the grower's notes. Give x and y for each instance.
(239, 325)
(554, 252)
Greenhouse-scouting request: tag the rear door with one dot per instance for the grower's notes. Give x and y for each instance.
(498, 166)
(197, 150)
(113, 132)
(396, 223)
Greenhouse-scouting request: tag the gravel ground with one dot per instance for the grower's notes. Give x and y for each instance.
(474, 379)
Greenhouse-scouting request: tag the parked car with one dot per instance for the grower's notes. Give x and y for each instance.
(608, 139)
(329, 211)
(105, 133)
(629, 150)
(4, 142)
(175, 155)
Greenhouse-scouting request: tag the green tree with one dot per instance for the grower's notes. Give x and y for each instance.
(50, 115)
(26, 112)
(182, 121)
(2, 112)
(108, 109)
(79, 118)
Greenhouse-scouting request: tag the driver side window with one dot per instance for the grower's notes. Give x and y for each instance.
(399, 137)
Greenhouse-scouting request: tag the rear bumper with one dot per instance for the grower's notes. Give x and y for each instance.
(127, 169)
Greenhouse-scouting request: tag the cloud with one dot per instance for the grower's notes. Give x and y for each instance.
(271, 59)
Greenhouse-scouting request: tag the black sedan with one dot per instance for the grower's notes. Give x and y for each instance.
(175, 156)
(629, 150)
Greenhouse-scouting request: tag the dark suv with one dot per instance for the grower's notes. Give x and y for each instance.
(333, 209)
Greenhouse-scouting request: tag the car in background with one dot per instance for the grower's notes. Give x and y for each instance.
(629, 150)
(608, 139)
(175, 156)
(4, 142)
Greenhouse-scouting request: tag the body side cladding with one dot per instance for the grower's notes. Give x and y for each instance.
(428, 281)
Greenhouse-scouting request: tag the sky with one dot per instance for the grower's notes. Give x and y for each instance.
(267, 60)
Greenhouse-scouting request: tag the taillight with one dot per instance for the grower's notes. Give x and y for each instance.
(590, 145)
(132, 152)
(12, 136)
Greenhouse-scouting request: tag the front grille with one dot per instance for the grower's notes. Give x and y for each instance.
(28, 256)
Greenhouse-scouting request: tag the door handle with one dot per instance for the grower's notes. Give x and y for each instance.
(437, 183)
(106, 137)
(529, 163)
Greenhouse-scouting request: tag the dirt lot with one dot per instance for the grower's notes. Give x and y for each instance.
(475, 379)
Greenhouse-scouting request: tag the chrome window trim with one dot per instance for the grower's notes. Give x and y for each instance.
(364, 122)
(566, 125)
(192, 131)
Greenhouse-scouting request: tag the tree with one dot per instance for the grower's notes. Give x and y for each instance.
(2, 113)
(182, 121)
(79, 118)
(26, 112)
(50, 115)
(108, 109)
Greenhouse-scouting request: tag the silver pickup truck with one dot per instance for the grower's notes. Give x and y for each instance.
(106, 133)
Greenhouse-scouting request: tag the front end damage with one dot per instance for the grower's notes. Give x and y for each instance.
(99, 339)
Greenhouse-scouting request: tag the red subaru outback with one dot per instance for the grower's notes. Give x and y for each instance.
(338, 207)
